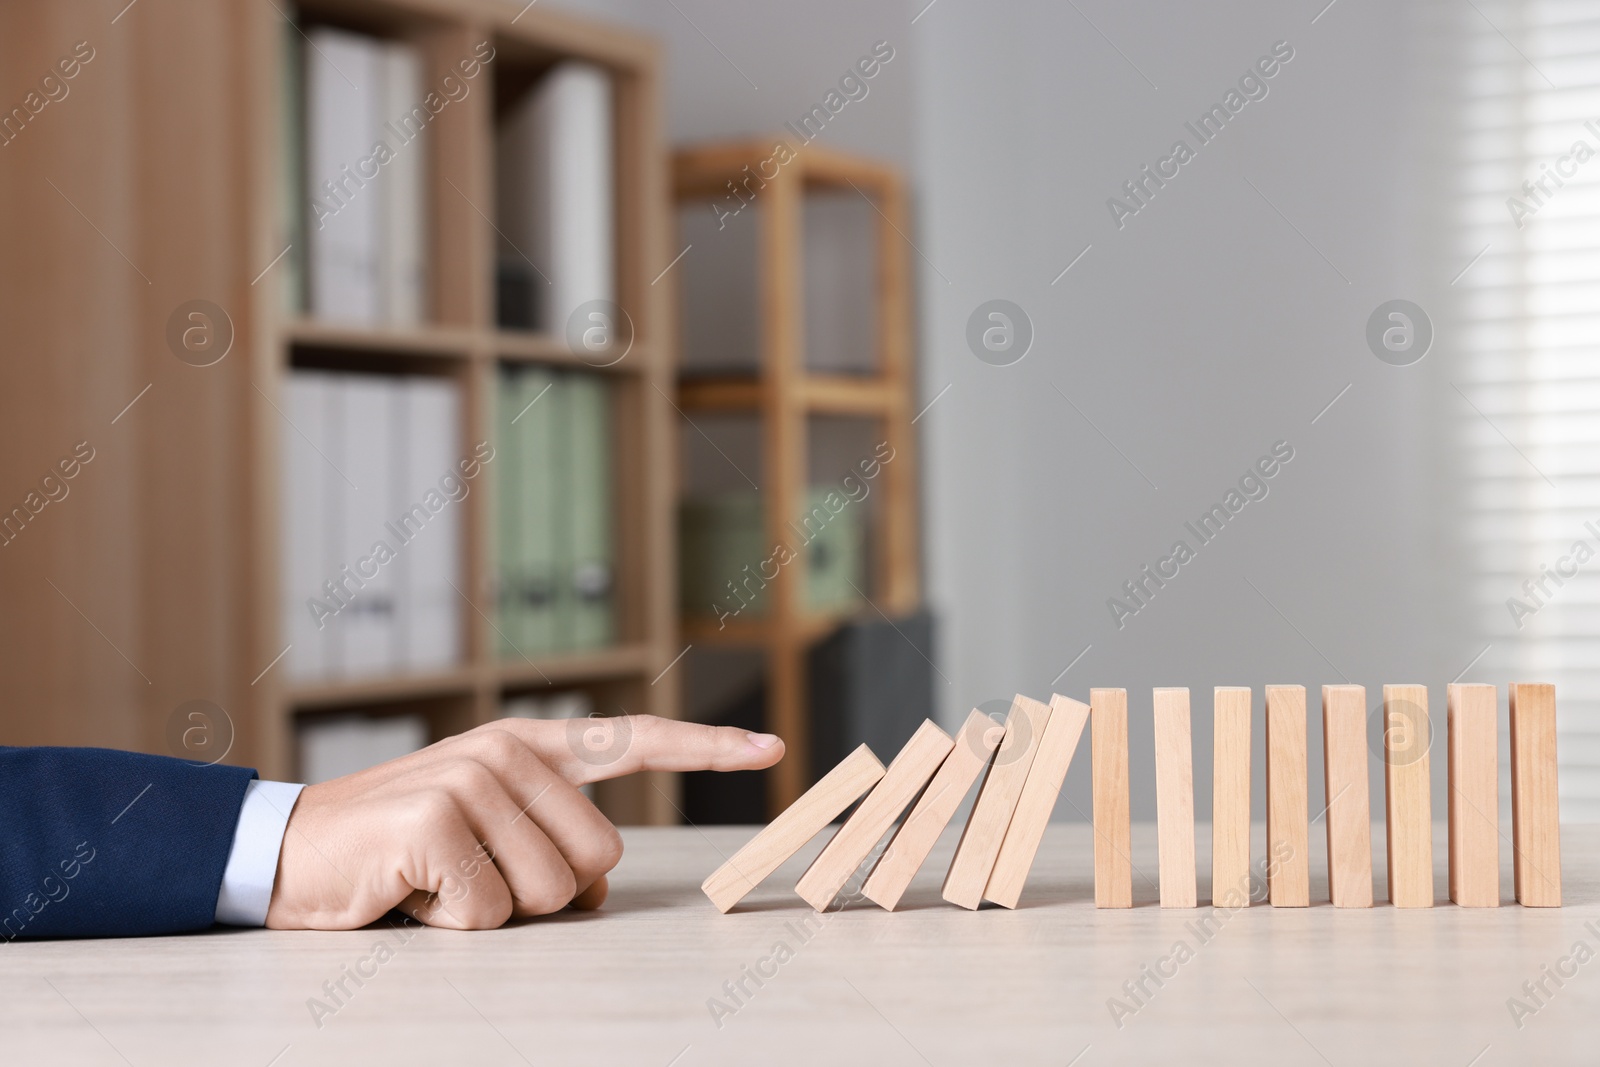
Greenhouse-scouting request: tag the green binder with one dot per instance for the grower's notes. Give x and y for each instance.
(509, 461)
(540, 429)
(725, 560)
(588, 600)
(834, 559)
(717, 537)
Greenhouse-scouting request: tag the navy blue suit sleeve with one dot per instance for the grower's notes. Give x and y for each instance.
(97, 843)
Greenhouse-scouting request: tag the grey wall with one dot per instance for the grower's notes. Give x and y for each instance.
(1221, 319)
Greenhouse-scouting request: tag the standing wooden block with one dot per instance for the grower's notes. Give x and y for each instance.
(1474, 805)
(1288, 830)
(997, 800)
(915, 837)
(788, 833)
(1113, 833)
(1406, 739)
(1174, 799)
(1535, 814)
(1037, 801)
(907, 774)
(1230, 797)
(1349, 807)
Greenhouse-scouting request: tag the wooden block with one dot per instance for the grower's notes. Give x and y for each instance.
(1174, 799)
(997, 800)
(1406, 739)
(907, 774)
(1037, 801)
(1535, 813)
(1113, 833)
(1474, 767)
(1288, 831)
(788, 833)
(915, 837)
(1230, 797)
(1348, 803)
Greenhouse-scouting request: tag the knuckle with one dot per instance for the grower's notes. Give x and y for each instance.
(500, 746)
(598, 853)
(553, 891)
(717, 744)
(429, 807)
(471, 775)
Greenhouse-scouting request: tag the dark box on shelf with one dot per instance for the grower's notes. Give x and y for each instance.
(871, 682)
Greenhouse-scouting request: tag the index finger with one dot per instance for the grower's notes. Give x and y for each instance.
(601, 747)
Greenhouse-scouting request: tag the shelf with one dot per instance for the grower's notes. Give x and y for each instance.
(454, 342)
(731, 393)
(354, 692)
(540, 33)
(216, 564)
(704, 170)
(602, 664)
(562, 668)
(841, 395)
(448, 342)
(831, 394)
(829, 167)
(518, 346)
(810, 627)
(779, 391)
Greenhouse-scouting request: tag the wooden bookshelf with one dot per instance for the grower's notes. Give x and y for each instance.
(783, 394)
(167, 570)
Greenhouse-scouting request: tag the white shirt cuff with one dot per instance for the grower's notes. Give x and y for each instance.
(253, 862)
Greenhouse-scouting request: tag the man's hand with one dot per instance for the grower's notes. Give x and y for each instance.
(484, 826)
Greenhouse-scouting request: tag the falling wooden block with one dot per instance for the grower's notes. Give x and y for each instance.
(1113, 834)
(788, 833)
(1406, 739)
(1349, 809)
(986, 827)
(1535, 815)
(1174, 799)
(915, 837)
(1230, 797)
(1288, 832)
(908, 772)
(1474, 805)
(1038, 799)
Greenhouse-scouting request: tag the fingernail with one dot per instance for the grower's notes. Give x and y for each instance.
(762, 740)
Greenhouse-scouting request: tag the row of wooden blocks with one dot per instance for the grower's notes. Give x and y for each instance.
(1025, 762)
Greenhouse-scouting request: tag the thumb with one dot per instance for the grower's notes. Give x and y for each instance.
(590, 750)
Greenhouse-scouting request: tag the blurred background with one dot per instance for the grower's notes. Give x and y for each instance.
(818, 367)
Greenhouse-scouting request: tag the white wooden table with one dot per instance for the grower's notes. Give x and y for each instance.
(928, 984)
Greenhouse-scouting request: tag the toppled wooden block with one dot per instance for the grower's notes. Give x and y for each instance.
(1037, 801)
(788, 833)
(915, 837)
(985, 831)
(908, 772)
